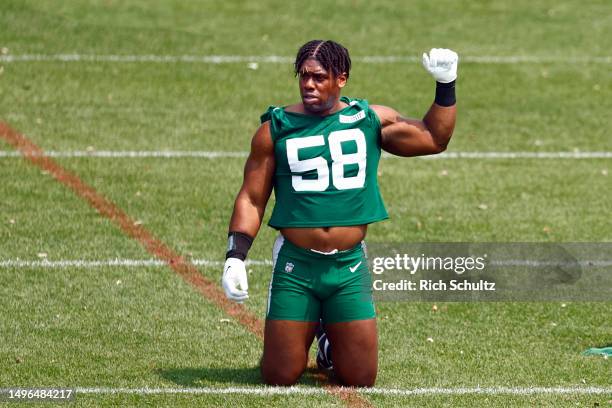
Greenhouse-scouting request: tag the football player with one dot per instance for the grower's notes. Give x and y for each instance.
(320, 156)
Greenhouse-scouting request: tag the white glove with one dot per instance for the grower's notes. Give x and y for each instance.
(441, 63)
(235, 277)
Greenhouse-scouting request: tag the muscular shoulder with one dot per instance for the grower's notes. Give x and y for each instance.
(386, 114)
(261, 143)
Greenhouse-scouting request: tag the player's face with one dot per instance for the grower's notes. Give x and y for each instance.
(319, 88)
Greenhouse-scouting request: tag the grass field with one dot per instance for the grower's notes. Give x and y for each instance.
(543, 85)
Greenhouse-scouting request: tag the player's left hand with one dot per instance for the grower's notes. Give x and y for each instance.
(441, 63)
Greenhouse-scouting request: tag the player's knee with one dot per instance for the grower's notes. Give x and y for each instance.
(365, 381)
(280, 375)
(274, 374)
(361, 378)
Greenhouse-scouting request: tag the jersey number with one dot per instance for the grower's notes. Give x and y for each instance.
(339, 160)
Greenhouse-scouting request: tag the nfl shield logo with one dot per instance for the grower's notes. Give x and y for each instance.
(289, 267)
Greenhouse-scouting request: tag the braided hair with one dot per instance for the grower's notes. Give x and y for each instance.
(331, 55)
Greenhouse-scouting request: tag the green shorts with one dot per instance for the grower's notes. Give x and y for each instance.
(308, 285)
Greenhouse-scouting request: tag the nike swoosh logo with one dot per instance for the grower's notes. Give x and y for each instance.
(354, 268)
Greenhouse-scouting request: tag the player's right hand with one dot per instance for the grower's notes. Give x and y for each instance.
(234, 280)
(441, 63)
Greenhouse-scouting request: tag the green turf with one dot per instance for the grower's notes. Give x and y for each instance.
(493, 401)
(207, 400)
(145, 327)
(277, 27)
(217, 107)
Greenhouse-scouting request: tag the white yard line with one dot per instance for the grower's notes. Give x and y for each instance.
(176, 154)
(132, 154)
(265, 391)
(516, 155)
(546, 264)
(143, 263)
(90, 264)
(232, 59)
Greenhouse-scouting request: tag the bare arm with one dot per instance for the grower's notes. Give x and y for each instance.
(253, 196)
(412, 137)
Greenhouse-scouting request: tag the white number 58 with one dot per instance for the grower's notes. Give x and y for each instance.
(339, 160)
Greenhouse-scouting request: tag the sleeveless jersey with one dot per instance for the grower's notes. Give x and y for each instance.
(326, 167)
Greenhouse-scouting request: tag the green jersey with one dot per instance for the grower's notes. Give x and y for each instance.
(326, 167)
